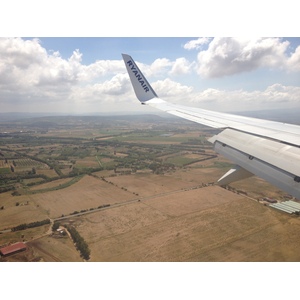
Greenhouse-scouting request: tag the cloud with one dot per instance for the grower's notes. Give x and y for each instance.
(159, 66)
(276, 95)
(32, 79)
(196, 44)
(294, 61)
(181, 66)
(100, 68)
(100, 92)
(29, 74)
(228, 56)
(27, 67)
(168, 88)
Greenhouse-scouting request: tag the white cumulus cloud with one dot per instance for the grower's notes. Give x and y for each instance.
(31, 78)
(228, 56)
(196, 44)
(169, 88)
(181, 66)
(293, 61)
(29, 74)
(276, 95)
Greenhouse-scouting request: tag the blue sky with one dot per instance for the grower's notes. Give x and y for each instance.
(109, 47)
(51, 69)
(87, 75)
(188, 70)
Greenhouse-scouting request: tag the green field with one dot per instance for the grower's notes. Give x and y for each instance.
(76, 146)
(180, 161)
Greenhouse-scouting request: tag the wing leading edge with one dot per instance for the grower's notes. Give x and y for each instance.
(268, 149)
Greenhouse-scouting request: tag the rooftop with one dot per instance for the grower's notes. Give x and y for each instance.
(13, 248)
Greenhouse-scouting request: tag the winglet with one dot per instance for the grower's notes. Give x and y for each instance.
(235, 174)
(141, 86)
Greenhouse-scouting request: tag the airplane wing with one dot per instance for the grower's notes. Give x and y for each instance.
(268, 149)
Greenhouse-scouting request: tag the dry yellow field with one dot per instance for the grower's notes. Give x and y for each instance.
(208, 224)
(88, 193)
(50, 184)
(172, 217)
(52, 249)
(16, 215)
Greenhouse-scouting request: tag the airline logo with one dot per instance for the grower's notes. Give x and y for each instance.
(139, 77)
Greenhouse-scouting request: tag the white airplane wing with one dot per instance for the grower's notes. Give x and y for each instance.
(268, 149)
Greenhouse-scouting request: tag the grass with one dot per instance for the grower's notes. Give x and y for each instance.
(59, 187)
(221, 164)
(152, 137)
(180, 161)
(4, 170)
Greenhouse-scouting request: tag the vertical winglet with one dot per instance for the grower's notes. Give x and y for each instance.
(141, 86)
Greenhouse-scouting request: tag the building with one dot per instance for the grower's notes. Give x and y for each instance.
(270, 200)
(13, 248)
(290, 207)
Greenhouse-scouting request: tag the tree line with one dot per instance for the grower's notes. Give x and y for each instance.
(31, 225)
(80, 243)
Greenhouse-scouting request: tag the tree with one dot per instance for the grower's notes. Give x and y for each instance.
(55, 226)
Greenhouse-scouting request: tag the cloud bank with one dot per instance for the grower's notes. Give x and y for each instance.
(33, 79)
(228, 56)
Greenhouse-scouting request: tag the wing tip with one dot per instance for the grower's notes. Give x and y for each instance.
(141, 86)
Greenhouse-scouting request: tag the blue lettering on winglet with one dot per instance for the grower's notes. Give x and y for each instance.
(139, 77)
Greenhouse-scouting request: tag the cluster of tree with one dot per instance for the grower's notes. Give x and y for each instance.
(88, 171)
(67, 152)
(80, 243)
(6, 189)
(55, 226)
(75, 212)
(32, 172)
(160, 168)
(31, 225)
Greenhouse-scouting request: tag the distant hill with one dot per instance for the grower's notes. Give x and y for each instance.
(280, 115)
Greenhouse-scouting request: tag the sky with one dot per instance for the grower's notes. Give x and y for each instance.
(64, 58)
(87, 75)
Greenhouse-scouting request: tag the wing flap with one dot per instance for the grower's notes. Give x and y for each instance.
(257, 165)
(280, 155)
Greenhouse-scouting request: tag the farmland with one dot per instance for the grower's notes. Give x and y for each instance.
(135, 188)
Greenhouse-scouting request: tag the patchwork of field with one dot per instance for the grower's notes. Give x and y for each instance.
(87, 193)
(135, 191)
(173, 218)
